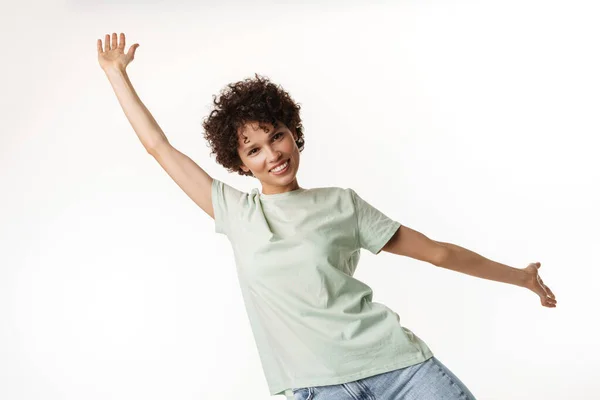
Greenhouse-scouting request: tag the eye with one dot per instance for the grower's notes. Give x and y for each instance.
(274, 136)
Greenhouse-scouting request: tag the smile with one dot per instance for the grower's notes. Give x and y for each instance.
(281, 169)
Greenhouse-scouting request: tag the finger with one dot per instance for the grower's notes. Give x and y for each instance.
(546, 288)
(106, 42)
(122, 41)
(545, 298)
(549, 292)
(99, 45)
(540, 287)
(546, 302)
(114, 44)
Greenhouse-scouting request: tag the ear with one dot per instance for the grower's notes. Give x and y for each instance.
(244, 168)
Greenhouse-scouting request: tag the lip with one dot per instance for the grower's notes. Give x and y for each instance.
(275, 166)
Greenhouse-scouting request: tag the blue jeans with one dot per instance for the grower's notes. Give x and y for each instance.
(429, 380)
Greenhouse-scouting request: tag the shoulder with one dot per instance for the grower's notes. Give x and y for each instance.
(227, 195)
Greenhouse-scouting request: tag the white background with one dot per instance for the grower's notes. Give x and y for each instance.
(473, 122)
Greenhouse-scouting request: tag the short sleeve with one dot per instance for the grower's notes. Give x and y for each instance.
(226, 201)
(374, 228)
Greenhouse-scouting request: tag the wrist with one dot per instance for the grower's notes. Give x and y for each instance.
(522, 278)
(114, 71)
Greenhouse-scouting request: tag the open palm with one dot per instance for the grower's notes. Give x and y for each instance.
(113, 54)
(534, 283)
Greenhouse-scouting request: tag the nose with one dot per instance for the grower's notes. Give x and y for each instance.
(274, 155)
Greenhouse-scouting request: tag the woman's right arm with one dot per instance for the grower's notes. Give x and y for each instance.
(192, 179)
(143, 123)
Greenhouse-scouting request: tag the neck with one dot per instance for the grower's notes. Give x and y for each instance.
(274, 189)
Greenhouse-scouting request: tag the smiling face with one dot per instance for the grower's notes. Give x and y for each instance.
(262, 149)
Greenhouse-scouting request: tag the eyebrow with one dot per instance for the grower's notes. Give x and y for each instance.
(250, 144)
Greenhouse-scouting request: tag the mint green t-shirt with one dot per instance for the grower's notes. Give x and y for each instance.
(295, 254)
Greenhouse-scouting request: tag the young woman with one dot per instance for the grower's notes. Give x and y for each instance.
(318, 332)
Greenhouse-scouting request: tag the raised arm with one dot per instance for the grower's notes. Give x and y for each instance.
(114, 62)
(192, 179)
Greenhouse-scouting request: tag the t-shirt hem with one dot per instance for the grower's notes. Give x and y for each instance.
(382, 369)
(388, 235)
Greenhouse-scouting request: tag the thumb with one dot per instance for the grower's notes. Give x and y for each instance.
(132, 49)
(536, 265)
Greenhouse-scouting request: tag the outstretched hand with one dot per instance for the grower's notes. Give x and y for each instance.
(113, 54)
(534, 283)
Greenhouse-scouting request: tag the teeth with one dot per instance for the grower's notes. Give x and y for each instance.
(282, 166)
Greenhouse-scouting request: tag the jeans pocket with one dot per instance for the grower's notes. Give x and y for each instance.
(303, 393)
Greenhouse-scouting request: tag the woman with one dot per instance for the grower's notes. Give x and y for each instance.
(318, 332)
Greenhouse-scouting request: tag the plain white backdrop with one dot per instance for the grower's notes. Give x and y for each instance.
(473, 122)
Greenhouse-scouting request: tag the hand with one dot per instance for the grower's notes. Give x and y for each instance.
(113, 55)
(534, 282)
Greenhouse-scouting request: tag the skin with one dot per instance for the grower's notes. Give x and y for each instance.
(261, 149)
(267, 150)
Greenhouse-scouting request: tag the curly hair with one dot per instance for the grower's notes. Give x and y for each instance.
(255, 99)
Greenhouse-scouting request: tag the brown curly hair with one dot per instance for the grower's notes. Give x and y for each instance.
(253, 99)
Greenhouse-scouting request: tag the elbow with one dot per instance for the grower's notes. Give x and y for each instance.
(154, 149)
(442, 254)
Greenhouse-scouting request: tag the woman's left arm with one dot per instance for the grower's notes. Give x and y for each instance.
(410, 243)
(468, 262)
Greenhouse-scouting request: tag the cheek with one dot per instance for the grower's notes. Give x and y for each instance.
(257, 163)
